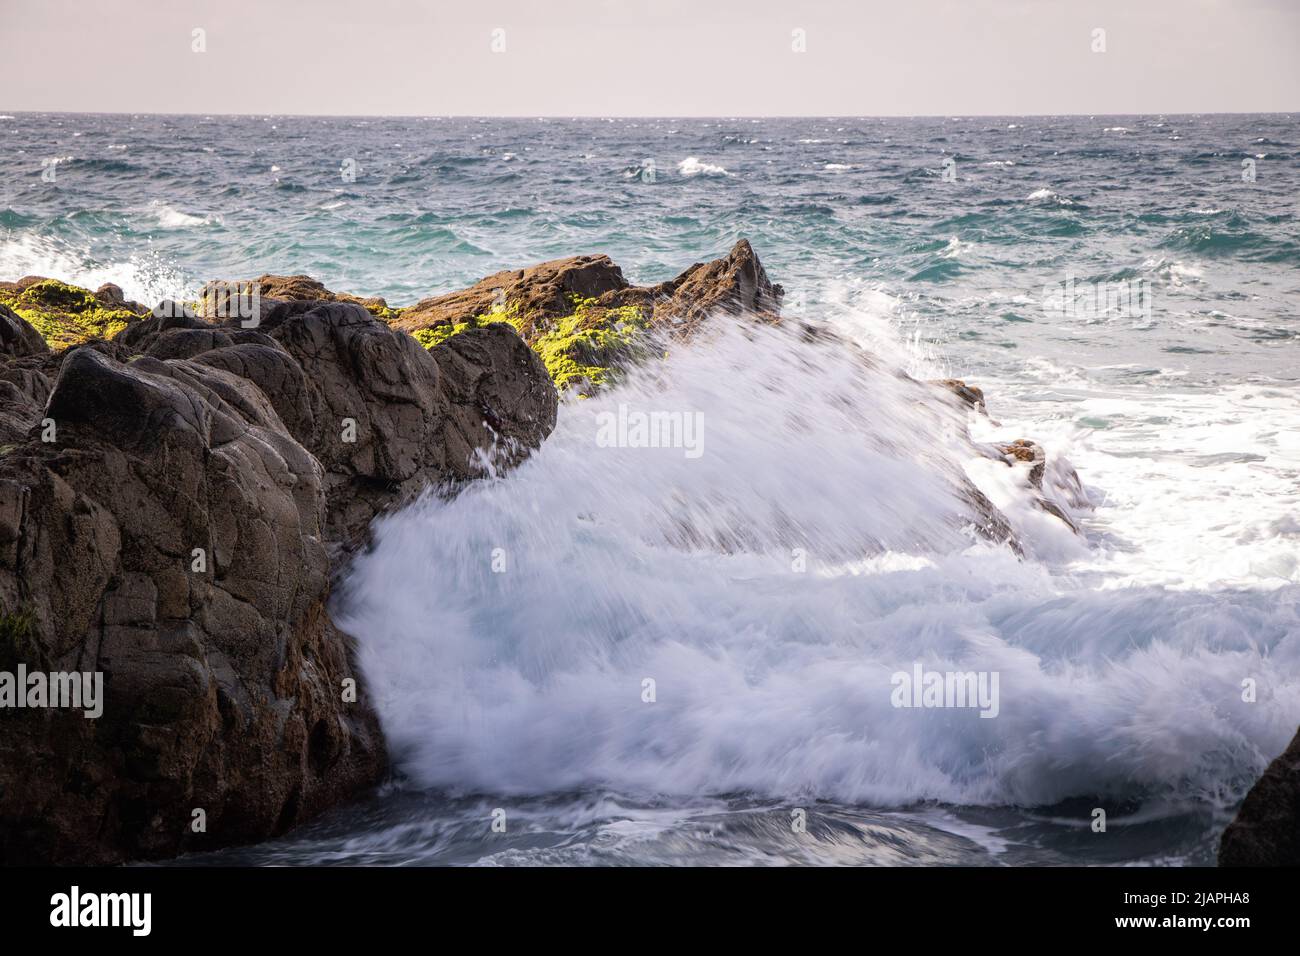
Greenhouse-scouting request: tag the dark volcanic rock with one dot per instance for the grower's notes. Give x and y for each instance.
(215, 296)
(1266, 831)
(734, 285)
(176, 536)
(17, 338)
(540, 292)
(571, 309)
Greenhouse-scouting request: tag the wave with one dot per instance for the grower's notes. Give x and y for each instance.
(143, 277)
(770, 588)
(168, 217)
(691, 166)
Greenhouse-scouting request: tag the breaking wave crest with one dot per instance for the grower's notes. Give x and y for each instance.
(770, 587)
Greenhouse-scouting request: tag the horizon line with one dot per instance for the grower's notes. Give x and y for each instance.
(649, 116)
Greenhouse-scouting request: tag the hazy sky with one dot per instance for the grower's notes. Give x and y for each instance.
(653, 57)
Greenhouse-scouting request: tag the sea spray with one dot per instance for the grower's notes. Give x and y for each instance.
(770, 588)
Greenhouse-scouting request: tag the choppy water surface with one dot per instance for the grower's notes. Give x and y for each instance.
(1120, 655)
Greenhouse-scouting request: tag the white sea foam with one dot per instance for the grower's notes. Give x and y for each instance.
(622, 565)
(691, 166)
(169, 217)
(143, 278)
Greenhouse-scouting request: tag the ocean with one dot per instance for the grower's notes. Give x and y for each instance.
(1124, 290)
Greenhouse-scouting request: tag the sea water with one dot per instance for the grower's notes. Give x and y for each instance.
(630, 654)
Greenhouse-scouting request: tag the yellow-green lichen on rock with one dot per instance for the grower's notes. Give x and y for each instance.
(582, 350)
(586, 321)
(586, 348)
(65, 314)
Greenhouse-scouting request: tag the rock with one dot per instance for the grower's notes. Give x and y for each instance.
(226, 697)
(583, 317)
(177, 538)
(1060, 491)
(1064, 490)
(734, 285)
(1024, 450)
(65, 315)
(536, 294)
(17, 337)
(1266, 831)
(215, 296)
(111, 295)
(167, 315)
(972, 395)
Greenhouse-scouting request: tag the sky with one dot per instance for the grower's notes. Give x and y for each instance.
(651, 57)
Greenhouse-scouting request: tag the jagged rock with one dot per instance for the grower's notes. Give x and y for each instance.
(1062, 480)
(734, 285)
(540, 292)
(583, 317)
(223, 680)
(224, 674)
(1024, 450)
(1266, 831)
(1055, 480)
(412, 414)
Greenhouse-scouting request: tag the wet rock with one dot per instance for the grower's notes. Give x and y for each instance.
(972, 395)
(1266, 831)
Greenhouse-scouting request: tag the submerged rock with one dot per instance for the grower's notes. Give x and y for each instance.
(1266, 831)
(167, 517)
(972, 395)
(1052, 480)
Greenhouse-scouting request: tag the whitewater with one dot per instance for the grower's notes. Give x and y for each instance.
(771, 587)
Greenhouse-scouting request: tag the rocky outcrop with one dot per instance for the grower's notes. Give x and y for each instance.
(176, 493)
(1266, 831)
(297, 288)
(64, 315)
(167, 519)
(1055, 484)
(586, 320)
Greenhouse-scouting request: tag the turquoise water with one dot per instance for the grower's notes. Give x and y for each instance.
(1123, 650)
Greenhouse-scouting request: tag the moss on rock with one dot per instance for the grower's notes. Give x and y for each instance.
(65, 314)
(582, 350)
